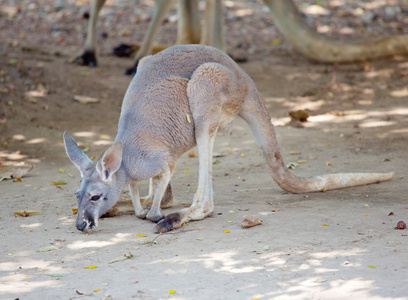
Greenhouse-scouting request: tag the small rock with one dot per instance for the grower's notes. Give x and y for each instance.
(401, 225)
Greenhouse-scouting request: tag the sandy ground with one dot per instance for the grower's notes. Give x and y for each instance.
(333, 245)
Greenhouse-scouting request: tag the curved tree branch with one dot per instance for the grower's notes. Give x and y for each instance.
(314, 45)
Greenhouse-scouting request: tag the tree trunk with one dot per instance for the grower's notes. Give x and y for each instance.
(314, 45)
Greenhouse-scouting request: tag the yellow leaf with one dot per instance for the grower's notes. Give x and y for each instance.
(59, 182)
(19, 179)
(373, 267)
(74, 211)
(185, 171)
(302, 161)
(172, 291)
(188, 118)
(324, 224)
(242, 154)
(3, 170)
(61, 170)
(96, 290)
(93, 157)
(226, 231)
(141, 235)
(27, 211)
(90, 267)
(276, 41)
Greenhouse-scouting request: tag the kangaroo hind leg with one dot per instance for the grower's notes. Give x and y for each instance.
(207, 99)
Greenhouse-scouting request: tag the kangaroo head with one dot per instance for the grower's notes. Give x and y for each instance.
(101, 183)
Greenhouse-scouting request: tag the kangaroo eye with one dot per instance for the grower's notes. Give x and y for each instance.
(96, 197)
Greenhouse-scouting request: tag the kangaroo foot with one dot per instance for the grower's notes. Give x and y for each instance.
(88, 58)
(172, 221)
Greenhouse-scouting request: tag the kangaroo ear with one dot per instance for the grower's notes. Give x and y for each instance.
(110, 162)
(77, 156)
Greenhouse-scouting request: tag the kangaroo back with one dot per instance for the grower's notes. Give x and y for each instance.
(256, 115)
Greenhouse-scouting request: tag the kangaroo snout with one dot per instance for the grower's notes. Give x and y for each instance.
(81, 225)
(85, 223)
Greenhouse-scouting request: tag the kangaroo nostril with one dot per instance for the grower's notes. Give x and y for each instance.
(81, 226)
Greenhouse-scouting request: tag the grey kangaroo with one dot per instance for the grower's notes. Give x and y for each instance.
(180, 98)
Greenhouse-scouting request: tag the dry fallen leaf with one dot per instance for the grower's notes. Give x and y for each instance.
(250, 221)
(292, 165)
(74, 211)
(17, 174)
(29, 212)
(141, 235)
(128, 255)
(84, 293)
(188, 118)
(59, 182)
(55, 275)
(191, 154)
(85, 99)
(46, 249)
(299, 115)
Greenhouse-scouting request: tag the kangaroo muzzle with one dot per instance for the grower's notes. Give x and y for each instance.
(81, 225)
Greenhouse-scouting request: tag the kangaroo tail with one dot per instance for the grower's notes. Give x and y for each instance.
(256, 115)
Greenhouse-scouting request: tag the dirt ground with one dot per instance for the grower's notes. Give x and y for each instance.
(329, 245)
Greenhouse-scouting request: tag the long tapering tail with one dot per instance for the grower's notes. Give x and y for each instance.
(257, 116)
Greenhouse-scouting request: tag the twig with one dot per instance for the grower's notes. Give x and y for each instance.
(175, 232)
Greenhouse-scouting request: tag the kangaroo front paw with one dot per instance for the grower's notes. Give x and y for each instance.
(172, 221)
(141, 214)
(155, 216)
